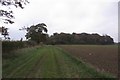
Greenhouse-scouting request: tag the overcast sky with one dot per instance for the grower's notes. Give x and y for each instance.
(90, 16)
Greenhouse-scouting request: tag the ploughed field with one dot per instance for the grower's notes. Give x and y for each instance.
(49, 62)
(103, 57)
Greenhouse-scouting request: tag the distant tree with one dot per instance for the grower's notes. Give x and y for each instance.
(36, 33)
(7, 15)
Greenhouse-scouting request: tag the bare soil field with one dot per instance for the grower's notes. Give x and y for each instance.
(103, 57)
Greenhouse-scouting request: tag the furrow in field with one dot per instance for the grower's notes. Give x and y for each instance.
(48, 66)
(33, 72)
(59, 71)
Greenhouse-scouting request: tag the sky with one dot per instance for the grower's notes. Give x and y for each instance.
(89, 16)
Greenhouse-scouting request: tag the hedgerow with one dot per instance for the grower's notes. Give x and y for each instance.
(8, 46)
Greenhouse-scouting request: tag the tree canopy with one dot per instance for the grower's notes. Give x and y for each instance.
(79, 38)
(37, 33)
(7, 15)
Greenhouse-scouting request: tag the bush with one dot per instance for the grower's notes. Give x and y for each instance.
(8, 46)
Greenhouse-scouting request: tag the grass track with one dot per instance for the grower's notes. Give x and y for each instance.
(48, 62)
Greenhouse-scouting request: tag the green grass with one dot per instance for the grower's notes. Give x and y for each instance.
(47, 62)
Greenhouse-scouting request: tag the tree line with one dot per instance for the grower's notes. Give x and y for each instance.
(79, 38)
(37, 34)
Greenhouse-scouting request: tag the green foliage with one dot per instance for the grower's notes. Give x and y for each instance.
(36, 33)
(8, 46)
(83, 38)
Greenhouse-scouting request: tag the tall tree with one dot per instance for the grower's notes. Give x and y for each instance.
(36, 33)
(7, 15)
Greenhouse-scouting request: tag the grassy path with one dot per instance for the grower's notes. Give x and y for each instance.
(48, 62)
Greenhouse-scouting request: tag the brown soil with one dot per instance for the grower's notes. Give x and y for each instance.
(103, 57)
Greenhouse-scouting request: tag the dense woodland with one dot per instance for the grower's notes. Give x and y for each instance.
(79, 38)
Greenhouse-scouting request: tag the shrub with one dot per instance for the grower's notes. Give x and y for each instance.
(8, 46)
